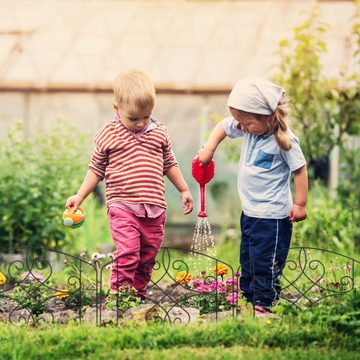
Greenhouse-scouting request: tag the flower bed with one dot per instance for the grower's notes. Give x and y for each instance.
(32, 290)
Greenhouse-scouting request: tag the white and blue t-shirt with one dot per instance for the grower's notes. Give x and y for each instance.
(264, 172)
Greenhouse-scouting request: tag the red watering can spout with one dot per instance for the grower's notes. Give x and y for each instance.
(202, 174)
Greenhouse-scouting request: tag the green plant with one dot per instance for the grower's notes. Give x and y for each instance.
(32, 293)
(82, 275)
(324, 112)
(123, 299)
(206, 302)
(330, 223)
(32, 298)
(301, 74)
(37, 174)
(77, 298)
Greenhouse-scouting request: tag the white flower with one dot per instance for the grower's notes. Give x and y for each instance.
(347, 267)
(320, 280)
(315, 288)
(97, 256)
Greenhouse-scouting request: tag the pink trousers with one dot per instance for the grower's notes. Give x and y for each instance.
(137, 242)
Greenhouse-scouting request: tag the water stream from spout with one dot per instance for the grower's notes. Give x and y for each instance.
(202, 244)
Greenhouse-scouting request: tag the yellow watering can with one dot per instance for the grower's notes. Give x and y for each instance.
(75, 219)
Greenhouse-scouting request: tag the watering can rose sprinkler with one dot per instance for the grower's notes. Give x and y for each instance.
(203, 246)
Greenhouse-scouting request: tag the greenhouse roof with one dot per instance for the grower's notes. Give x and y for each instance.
(80, 45)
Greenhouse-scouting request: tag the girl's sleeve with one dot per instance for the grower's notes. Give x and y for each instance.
(294, 157)
(230, 127)
(169, 156)
(99, 157)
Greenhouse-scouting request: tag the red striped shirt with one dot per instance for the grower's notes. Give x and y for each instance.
(133, 168)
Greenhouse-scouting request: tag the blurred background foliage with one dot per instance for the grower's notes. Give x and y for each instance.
(39, 172)
(325, 115)
(325, 111)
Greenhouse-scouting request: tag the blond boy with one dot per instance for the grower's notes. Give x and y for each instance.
(132, 153)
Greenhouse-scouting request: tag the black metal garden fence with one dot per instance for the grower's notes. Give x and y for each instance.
(52, 286)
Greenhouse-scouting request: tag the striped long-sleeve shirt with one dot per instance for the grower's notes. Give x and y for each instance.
(133, 168)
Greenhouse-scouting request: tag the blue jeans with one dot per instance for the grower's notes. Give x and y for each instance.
(263, 252)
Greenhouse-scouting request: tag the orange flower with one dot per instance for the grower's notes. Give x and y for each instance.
(62, 294)
(220, 269)
(183, 277)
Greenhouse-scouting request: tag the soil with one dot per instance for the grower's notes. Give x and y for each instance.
(56, 310)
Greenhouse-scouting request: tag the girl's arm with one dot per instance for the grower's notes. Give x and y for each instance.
(175, 176)
(206, 153)
(298, 211)
(88, 185)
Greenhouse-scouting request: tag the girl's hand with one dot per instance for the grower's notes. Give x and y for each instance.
(187, 201)
(298, 213)
(73, 202)
(205, 155)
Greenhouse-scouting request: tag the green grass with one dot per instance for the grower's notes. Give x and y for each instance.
(190, 353)
(329, 331)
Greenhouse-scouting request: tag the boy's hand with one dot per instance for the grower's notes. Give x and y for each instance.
(73, 202)
(205, 155)
(298, 213)
(187, 201)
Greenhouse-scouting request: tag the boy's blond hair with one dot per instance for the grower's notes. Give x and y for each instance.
(134, 89)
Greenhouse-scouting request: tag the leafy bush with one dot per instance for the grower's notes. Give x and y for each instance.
(325, 110)
(330, 224)
(37, 174)
(348, 188)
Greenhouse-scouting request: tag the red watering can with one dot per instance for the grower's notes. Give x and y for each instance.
(202, 174)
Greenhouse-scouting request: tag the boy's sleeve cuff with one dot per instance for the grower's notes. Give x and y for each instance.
(100, 173)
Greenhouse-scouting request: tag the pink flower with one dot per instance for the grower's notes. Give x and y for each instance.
(212, 286)
(217, 286)
(230, 281)
(196, 283)
(231, 284)
(233, 298)
(203, 288)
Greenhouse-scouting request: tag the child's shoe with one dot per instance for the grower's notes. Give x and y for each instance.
(262, 311)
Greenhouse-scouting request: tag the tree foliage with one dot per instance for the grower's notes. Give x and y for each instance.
(325, 110)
